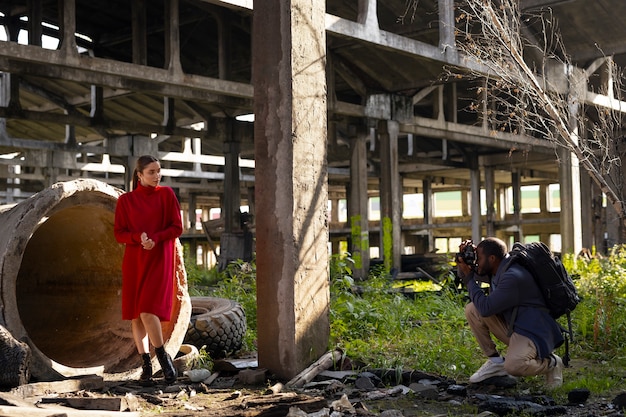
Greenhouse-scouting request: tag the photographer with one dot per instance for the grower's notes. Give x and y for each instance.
(513, 311)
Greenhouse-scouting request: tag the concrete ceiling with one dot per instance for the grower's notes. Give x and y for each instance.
(54, 94)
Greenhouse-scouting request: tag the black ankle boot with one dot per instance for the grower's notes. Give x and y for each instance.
(146, 374)
(169, 372)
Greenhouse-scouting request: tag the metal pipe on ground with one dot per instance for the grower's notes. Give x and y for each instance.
(60, 284)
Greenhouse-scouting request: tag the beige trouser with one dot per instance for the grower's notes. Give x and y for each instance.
(521, 355)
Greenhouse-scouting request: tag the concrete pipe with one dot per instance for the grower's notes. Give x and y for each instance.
(60, 271)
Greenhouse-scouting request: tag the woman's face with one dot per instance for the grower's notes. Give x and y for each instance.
(151, 175)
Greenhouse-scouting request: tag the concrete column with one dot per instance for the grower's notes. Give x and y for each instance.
(490, 196)
(367, 13)
(172, 36)
(599, 219)
(447, 42)
(333, 216)
(224, 46)
(191, 212)
(51, 173)
(357, 204)
(390, 195)
(427, 190)
(543, 198)
(613, 227)
(67, 15)
(35, 17)
(516, 183)
(291, 184)
(169, 114)
(140, 32)
(475, 199)
(97, 104)
(587, 213)
(232, 191)
(543, 208)
(569, 180)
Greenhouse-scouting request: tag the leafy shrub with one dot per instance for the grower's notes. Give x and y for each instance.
(237, 282)
(199, 278)
(601, 281)
(377, 326)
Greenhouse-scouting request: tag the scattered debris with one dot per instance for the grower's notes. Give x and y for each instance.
(39, 389)
(325, 362)
(319, 391)
(578, 396)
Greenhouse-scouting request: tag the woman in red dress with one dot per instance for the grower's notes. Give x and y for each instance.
(147, 221)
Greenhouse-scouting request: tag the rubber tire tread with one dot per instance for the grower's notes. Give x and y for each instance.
(217, 324)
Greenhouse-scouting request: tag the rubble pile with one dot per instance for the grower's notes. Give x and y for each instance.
(238, 387)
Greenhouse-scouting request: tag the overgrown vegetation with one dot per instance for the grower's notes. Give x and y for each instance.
(376, 325)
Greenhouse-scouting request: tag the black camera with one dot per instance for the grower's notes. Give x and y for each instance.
(468, 253)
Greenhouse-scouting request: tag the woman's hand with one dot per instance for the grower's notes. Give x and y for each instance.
(146, 242)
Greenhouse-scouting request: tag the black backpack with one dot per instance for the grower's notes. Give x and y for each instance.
(556, 285)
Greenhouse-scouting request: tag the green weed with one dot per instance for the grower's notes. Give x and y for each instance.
(204, 359)
(378, 326)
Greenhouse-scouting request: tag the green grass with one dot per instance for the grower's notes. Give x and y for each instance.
(376, 326)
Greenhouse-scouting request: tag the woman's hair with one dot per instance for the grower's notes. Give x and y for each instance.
(493, 246)
(141, 164)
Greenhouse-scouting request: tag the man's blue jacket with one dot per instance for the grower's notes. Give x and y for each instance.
(514, 287)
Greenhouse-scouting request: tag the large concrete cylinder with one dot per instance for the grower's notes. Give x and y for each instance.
(60, 284)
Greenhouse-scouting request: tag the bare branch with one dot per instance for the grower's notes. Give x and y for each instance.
(526, 95)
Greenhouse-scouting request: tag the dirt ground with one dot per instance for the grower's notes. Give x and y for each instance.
(194, 400)
(329, 394)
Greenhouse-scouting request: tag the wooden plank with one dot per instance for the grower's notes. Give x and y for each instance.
(14, 400)
(40, 389)
(325, 362)
(57, 411)
(82, 403)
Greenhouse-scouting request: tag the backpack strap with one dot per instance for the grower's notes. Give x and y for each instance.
(512, 322)
(569, 334)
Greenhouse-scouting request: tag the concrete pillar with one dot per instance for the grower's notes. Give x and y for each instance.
(357, 204)
(427, 190)
(516, 183)
(291, 184)
(598, 214)
(367, 13)
(569, 180)
(191, 212)
(390, 195)
(587, 213)
(51, 173)
(35, 18)
(475, 198)
(172, 36)
(224, 45)
(543, 198)
(232, 192)
(447, 28)
(67, 15)
(333, 215)
(140, 32)
(490, 197)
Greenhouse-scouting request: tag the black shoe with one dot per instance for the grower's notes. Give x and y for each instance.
(146, 375)
(169, 372)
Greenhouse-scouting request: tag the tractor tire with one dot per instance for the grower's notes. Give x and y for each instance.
(217, 324)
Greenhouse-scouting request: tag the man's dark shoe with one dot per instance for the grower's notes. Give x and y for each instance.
(169, 372)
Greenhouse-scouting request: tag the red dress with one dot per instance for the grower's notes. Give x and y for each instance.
(148, 275)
